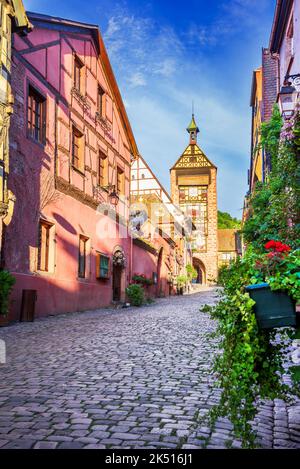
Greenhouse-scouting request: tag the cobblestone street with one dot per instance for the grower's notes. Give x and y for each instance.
(126, 378)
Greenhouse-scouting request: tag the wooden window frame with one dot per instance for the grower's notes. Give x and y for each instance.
(120, 183)
(77, 74)
(78, 157)
(99, 276)
(36, 115)
(44, 260)
(102, 169)
(83, 240)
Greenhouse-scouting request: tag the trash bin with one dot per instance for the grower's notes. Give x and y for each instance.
(29, 298)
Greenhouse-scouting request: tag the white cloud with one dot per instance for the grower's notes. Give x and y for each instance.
(166, 68)
(137, 79)
(159, 79)
(150, 49)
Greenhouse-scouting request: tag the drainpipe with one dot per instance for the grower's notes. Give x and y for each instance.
(128, 233)
(131, 257)
(55, 142)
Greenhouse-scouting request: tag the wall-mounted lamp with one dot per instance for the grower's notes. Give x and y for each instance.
(287, 101)
(112, 193)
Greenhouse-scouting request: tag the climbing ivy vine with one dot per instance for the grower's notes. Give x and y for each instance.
(251, 361)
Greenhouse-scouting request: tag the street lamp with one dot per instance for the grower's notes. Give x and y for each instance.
(286, 101)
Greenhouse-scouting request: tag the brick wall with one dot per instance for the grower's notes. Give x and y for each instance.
(270, 86)
(270, 69)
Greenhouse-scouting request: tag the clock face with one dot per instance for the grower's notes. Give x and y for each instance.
(193, 191)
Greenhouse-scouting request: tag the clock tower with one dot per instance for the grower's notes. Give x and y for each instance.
(194, 190)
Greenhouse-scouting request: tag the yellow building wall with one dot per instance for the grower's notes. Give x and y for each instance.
(5, 108)
(257, 158)
(12, 14)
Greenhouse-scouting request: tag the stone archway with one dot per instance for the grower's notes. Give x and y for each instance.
(201, 271)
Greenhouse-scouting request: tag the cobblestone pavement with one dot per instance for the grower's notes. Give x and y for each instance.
(127, 378)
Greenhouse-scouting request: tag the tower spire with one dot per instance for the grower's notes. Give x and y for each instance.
(193, 129)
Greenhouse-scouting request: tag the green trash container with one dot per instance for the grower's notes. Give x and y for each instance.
(272, 308)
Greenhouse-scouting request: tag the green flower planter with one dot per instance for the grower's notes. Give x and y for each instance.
(272, 308)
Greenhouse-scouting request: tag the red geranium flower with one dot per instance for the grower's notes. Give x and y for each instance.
(277, 246)
(270, 244)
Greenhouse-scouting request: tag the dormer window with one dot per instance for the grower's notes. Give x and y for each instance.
(78, 69)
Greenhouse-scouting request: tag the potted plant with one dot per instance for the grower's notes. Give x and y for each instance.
(278, 272)
(7, 282)
(181, 283)
(135, 294)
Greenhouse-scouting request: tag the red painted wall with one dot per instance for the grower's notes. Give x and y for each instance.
(71, 209)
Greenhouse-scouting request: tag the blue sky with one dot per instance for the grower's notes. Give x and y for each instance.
(168, 53)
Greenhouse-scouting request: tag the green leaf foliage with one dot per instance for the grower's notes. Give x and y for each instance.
(225, 220)
(191, 272)
(7, 282)
(252, 360)
(274, 206)
(136, 295)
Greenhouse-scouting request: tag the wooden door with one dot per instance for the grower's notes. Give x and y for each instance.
(117, 272)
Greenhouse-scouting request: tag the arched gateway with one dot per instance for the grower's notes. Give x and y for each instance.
(201, 271)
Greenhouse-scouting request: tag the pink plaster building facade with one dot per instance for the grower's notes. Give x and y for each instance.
(280, 74)
(285, 40)
(71, 146)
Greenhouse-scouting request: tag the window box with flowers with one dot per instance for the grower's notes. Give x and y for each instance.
(141, 279)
